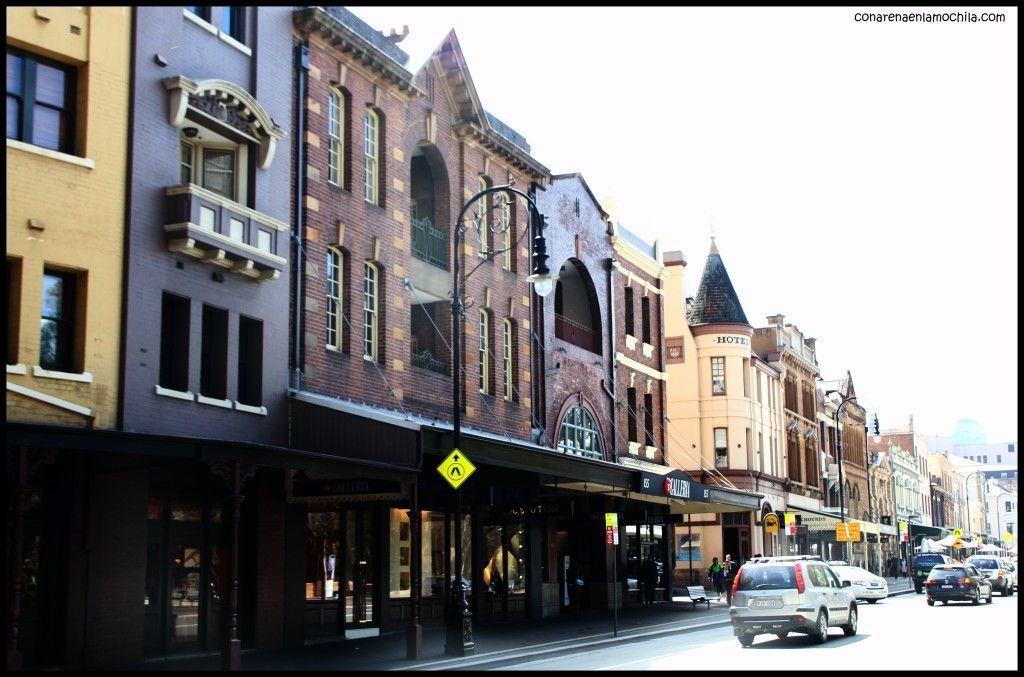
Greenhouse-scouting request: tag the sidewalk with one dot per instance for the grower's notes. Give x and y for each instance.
(496, 644)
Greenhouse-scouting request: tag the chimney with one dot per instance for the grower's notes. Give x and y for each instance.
(776, 320)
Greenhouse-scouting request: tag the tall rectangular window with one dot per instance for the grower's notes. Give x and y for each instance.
(213, 362)
(721, 447)
(508, 220)
(371, 155)
(645, 319)
(746, 377)
(370, 345)
(230, 20)
(485, 349)
(336, 134)
(40, 101)
(507, 364)
(483, 184)
(717, 375)
(174, 333)
(187, 163)
(757, 375)
(631, 415)
(335, 289)
(250, 361)
(57, 326)
(649, 420)
(627, 304)
(13, 308)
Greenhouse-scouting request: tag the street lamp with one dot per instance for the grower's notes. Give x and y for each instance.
(999, 525)
(459, 635)
(967, 481)
(839, 458)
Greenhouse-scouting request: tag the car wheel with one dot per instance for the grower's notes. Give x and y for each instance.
(917, 589)
(746, 640)
(931, 602)
(850, 629)
(989, 600)
(977, 598)
(1008, 590)
(872, 601)
(821, 628)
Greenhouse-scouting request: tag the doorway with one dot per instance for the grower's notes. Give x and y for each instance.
(186, 576)
(341, 571)
(504, 573)
(736, 535)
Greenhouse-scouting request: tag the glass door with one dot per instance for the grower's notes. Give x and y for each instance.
(185, 594)
(360, 569)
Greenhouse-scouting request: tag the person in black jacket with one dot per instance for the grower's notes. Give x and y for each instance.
(731, 568)
(648, 579)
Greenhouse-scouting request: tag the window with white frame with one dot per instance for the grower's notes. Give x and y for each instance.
(508, 225)
(336, 135)
(721, 447)
(335, 294)
(371, 154)
(41, 98)
(215, 168)
(717, 375)
(370, 284)
(579, 434)
(485, 344)
(482, 184)
(58, 341)
(507, 364)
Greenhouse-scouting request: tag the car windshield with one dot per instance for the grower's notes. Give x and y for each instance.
(928, 560)
(984, 563)
(947, 572)
(768, 577)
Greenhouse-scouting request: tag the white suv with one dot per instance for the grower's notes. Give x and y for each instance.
(779, 595)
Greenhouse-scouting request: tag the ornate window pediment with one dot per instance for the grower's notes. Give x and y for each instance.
(226, 108)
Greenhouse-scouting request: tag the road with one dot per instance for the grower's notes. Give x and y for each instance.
(899, 633)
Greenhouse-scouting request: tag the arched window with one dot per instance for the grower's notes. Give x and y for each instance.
(482, 184)
(485, 350)
(579, 434)
(337, 109)
(371, 153)
(335, 294)
(508, 361)
(370, 318)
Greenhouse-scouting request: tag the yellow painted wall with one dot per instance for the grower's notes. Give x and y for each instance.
(79, 202)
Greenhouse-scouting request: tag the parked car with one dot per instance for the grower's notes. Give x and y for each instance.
(1011, 569)
(865, 585)
(922, 566)
(779, 595)
(957, 582)
(994, 569)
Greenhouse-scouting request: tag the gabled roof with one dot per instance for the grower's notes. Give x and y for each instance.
(471, 118)
(583, 182)
(716, 301)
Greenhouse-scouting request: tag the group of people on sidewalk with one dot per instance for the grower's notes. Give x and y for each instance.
(896, 566)
(721, 575)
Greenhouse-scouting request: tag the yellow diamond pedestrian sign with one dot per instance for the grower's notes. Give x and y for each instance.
(957, 533)
(456, 468)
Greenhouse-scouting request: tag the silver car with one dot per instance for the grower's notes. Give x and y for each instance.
(779, 595)
(994, 569)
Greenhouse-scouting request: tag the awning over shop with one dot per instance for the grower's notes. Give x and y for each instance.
(926, 530)
(815, 520)
(684, 495)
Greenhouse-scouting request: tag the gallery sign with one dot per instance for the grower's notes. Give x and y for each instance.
(675, 484)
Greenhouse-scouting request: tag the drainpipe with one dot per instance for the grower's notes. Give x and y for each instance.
(301, 68)
(613, 265)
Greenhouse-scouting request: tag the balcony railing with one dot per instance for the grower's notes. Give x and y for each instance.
(576, 334)
(223, 233)
(426, 360)
(429, 243)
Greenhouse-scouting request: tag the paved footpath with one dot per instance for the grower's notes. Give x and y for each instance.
(496, 644)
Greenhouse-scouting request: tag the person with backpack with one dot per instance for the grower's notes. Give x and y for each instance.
(731, 568)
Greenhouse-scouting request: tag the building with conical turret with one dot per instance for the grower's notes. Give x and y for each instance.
(725, 412)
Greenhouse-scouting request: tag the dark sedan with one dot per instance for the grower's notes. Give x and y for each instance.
(957, 583)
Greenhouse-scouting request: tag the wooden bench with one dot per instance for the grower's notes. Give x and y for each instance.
(696, 593)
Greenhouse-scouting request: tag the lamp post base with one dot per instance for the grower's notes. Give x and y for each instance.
(459, 636)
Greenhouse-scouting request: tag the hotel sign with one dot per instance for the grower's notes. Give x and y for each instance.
(735, 340)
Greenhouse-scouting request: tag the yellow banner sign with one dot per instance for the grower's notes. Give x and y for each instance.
(771, 523)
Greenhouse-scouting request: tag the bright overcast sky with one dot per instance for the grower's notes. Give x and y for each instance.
(861, 178)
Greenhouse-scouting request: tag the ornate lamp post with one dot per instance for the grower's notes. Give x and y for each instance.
(459, 635)
(839, 458)
(967, 481)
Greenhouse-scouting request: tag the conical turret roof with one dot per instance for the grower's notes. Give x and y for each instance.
(716, 301)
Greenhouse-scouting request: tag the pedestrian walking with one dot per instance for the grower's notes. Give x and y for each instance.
(648, 579)
(903, 566)
(731, 568)
(716, 574)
